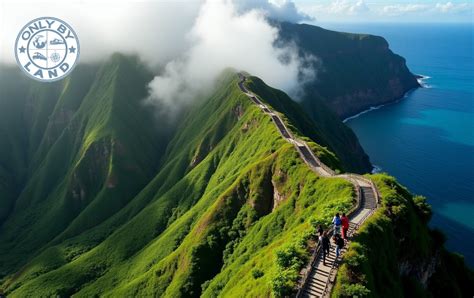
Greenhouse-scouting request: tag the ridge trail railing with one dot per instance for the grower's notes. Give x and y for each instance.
(353, 178)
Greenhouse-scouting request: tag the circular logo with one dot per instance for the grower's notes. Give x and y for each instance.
(47, 49)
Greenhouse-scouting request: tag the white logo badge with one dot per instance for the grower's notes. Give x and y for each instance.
(47, 49)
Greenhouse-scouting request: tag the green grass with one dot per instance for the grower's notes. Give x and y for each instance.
(110, 201)
(170, 211)
(323, 128)
(394, 248)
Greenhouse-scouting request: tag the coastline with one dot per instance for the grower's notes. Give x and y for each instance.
(421, 81)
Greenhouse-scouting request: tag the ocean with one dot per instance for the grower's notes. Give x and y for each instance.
(426, 139)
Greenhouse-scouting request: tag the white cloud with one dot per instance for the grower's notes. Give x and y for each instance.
(338, 8)
(361, 11)
(155, 30)
(444, 7)
(192, 41)
(450, 7)
(222, 37)
(281, 10)
(348, 7)
(400, 9)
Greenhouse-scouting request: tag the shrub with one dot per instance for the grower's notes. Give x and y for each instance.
(284, 282)
(354, 290)
(289, 261)
(315, 222)
(257, 273)
(355, 255)
(290, 256)
(423, 208)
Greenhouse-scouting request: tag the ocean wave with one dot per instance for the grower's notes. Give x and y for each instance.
(422, 81)
(362, 113)
(376, 169)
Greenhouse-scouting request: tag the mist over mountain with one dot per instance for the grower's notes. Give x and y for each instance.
(102, 195)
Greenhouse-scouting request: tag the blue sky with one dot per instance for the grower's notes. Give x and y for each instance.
(387, 11)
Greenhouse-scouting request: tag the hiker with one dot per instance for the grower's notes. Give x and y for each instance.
(339, 243)
(326, 246)
(336, 221)
(320, 230)
(320, 234)
(345, 225)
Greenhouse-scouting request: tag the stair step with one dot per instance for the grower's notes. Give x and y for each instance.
(322, 273)
(313, 292)
(317, 289)
(321, 280)
(317, 282)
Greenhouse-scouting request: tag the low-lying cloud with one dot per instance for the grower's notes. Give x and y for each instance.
(221, 38)
(192, 42)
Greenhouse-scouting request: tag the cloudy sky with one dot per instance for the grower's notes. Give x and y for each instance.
(387, 10)
(192, 41)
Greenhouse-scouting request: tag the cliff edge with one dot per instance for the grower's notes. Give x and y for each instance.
(354, 71)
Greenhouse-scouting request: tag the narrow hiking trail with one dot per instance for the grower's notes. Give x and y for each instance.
(318, 278)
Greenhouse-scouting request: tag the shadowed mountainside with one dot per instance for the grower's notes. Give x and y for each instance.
(355, 71)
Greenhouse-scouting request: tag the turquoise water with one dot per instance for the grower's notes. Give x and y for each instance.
(427, 139)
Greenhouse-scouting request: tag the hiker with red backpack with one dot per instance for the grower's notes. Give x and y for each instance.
(345, 225)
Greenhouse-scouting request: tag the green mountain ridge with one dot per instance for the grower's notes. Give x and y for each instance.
(89, 191)
(200, 208)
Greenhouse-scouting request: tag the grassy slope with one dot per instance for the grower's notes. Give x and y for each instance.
(396, 255)
(194, 210)
(81, 175)
(213, 196)
(324, 127)
(12, 155)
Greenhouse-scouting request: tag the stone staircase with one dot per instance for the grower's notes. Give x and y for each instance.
(319, 275)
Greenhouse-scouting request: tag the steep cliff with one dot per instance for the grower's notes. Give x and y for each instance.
(355, 71)
(396, 254)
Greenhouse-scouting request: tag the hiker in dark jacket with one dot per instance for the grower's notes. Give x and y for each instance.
(320, 230)
(339, 245)
(326, 246)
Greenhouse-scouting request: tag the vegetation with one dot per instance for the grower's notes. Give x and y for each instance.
(324, 127)
(406, 257)
(102, 197)
(196, 207)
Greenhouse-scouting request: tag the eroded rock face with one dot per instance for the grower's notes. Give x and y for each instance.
(278, 198)
(90, 173)
(421, 270)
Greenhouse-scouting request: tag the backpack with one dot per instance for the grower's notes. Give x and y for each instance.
(340, 242)
(325, 241)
